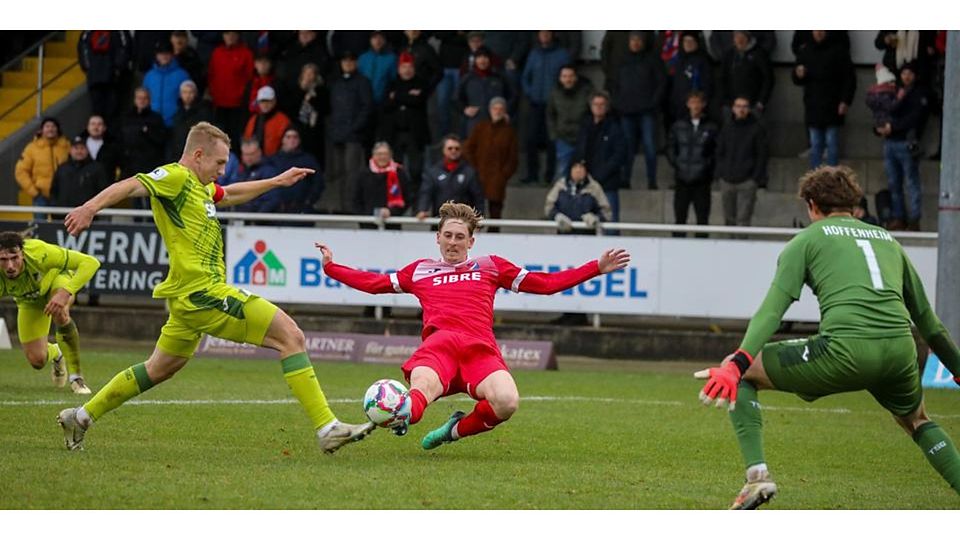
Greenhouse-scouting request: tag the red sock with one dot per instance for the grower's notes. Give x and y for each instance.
(417, 404)
(481, 419)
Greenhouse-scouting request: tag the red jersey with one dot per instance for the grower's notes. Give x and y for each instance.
(459, 297)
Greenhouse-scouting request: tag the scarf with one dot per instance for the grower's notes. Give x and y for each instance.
(394, 193)
(907, 44)
(450, 166)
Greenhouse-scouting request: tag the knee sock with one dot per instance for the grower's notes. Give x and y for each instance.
(940, 452)
(748, 425)
(302, 380)
(124, 385)
(481, 419)
(69, 340)
(418, 402)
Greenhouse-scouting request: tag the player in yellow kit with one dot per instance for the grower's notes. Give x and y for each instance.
(43, 280)
(184, 199)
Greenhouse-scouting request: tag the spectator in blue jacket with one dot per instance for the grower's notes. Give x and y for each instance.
(252, 167)
(539, 77)
(163, 81)
(300, 197)
(378, 64)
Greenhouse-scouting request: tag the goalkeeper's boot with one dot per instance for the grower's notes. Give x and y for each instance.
(79, 386)
(58, 371)
(755, 492)
(73, 429)
(340, 434)
(443, 434)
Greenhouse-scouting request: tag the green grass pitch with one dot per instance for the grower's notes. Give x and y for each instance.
(593, 435)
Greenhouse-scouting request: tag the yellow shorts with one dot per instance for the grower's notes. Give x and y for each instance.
(222, 311)
(32, 323)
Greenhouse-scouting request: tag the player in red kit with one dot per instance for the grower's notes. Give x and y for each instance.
(459, 352)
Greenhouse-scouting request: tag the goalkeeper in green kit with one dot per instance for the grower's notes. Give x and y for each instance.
(868, 293)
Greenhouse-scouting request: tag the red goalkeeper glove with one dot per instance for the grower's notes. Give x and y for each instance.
(722, 382)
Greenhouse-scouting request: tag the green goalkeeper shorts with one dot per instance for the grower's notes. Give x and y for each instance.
(222, 311)
(821, 365)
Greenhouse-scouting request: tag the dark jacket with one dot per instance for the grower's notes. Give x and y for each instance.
(76, 182)
(103, 55)
(258, 171)
(369, 191)
(182, 122)
(574, 200)
(909, 115)
(566, 109)
(298, 198)
(603, 147)
(742, 152)
(541, 71)
(642, 83)
(426, 62)
(829, 80)
(747, 74)
(438, 185)
(613, 50)
(405, 111)
(477, 89)
(295, 56)
(351, 108)
(691, 151)
(453, 47)
(693, 72)
(110, 155)
(144, 139)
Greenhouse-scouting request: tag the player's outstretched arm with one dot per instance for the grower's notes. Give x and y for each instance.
(242, 192)
(552, 283)
(928, 324)
(368, 282)
(80, 218)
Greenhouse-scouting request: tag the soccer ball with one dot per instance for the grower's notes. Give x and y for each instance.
(386, 403)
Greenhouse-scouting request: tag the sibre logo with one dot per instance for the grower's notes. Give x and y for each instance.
(260, 266)
(454, 278)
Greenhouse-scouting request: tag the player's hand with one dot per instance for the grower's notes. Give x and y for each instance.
(721, 387)
(292, 175)
(79, 219)
(326, 251)
(57, 305)
(613, 259)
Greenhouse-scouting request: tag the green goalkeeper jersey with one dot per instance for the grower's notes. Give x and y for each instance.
(186, 216)
(42, 262)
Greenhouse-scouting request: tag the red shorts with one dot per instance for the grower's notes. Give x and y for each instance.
(461, 361)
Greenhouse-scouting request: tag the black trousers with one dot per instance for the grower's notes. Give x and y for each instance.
(699, 195)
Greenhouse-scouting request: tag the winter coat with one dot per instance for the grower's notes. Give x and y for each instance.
(190, 61)
(691, 151)
(494, 152)
(453, 47)
(182, 122)
(566, 109)
(604, 149)
(438, 185)
(510, 45)
(163, 82)
(909, 114)
(351, 108)
(76, 182)
(405, 111)
(230, 69)
(477, 89)
(299, 197)
(110, 155)
(144, 137)
(541, 71)
(829, 80)
(574, 200)
(295, 56)
(38, 162)
(268, 129)
(426, 62)
(103, 55)
(692, 72)
(613, 50)
(746, 74)
(380, 68)
(641, 84)
(259, 171)
(881, 100)
(369, 190)
(742, 152)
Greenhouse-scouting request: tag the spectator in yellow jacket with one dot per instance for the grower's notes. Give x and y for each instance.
(40, 159)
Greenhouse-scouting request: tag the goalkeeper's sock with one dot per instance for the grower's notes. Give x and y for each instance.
(481, 419)
(302, 380)
(418, 402)
(69, 340)
(123, 386)
(748, 424)
(940, 452)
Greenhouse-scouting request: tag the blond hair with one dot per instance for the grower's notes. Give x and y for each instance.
(461, 212)
(203, 135)
(832, 188)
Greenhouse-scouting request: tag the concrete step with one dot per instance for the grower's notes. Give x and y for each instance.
(52, 64)
(28, 79)
(27, 110)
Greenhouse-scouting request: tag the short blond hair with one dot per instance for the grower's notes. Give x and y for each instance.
(462, 212)
(203, 135)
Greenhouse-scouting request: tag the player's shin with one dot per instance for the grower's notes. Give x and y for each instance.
(302, 380)
(481, 419)
(748, 425)
(124, 385)
(69, 340)
(940, 452)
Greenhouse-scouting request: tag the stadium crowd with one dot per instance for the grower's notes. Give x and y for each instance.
(354, 106)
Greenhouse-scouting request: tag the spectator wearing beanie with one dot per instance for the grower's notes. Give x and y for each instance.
(404, 124)
(79, 179)
(379, 65)
(478, 87)
(163, 82)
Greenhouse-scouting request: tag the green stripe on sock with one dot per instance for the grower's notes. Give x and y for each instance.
(143, 380)
(295, 362)
(67, 329)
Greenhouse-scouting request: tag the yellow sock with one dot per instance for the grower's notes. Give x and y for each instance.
(69, 340)
(52, 352)
(302, 381)
(124, 385)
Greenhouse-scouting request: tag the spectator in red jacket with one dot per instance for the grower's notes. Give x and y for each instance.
(268, 125)
(229, 72)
